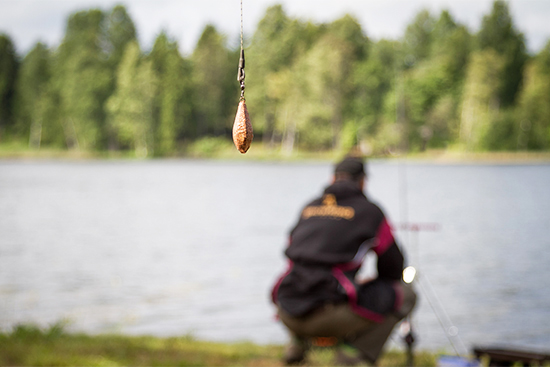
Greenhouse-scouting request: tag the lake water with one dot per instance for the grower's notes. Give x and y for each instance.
(176, 247)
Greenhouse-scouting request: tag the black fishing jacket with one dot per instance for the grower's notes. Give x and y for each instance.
(327, 248)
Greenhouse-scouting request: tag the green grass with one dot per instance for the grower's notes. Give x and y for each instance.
(220, 148)
(28, 345)
(206, 148)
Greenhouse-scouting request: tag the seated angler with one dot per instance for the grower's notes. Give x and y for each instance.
(319, 295)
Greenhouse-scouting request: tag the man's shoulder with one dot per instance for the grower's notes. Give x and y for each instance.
(372, 209)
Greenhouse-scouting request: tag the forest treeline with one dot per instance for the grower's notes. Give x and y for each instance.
(308, 85)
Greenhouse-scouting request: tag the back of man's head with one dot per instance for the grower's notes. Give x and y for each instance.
(350, 168)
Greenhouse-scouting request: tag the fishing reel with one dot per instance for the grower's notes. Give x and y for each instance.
(409, 274)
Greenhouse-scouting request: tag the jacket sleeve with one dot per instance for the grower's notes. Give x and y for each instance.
(390, 258)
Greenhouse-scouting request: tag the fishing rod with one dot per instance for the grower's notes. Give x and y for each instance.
(451, 331)
(412, 274)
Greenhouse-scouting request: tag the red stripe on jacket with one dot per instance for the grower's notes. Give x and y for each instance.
(384, 238)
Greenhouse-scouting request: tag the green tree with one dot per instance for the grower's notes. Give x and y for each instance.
(326, 68)
(276, 45)
(173, 102)
(408, 97)
(417, 40)
(83, 80)
(8, 75)
(373, 79)
(130, 109)
(534, 104)
(348, 30)
(424, 86)
(451, 46)
(357, 47)
(274, 41)
(120, 30)
(499, 33)
(213, 81)
(480, 102)
(285, 90)
(32, 88)
(311, 97)
(434, 86)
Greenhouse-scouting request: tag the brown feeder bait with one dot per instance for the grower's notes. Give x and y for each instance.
(242, 129)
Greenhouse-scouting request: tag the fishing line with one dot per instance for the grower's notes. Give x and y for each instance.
(242, 25)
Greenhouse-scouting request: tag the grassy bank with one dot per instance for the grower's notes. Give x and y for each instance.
(217, 148)
(207, 148)
(31, 346)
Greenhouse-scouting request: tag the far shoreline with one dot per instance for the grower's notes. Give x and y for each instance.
(260, 152)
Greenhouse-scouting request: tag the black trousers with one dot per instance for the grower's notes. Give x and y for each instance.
(340, 321)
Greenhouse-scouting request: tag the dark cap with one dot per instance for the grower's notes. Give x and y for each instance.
(353, 166)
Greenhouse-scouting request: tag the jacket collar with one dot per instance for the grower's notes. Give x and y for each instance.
(344, 190)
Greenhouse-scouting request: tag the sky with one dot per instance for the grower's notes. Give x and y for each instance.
(30, 21)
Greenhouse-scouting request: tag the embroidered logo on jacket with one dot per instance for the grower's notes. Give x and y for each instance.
(329, 209)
